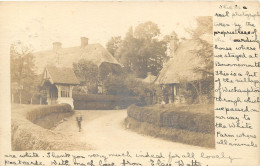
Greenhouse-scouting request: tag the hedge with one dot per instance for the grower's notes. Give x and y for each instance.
(178, 135)
(28, 136)
(35, 113)
(101, 102)
(178, 118)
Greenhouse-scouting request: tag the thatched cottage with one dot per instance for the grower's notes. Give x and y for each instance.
(65, 57)
(179, 74)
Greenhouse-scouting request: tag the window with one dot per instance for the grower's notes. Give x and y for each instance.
(65, 91)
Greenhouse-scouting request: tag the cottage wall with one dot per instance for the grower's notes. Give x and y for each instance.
(67, 97)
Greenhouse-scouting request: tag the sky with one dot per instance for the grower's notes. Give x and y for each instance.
(42, 23)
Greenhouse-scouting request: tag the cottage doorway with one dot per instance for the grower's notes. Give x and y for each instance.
(53, 95)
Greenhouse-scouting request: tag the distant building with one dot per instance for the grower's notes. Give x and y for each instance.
(58, 83)
(65, 57)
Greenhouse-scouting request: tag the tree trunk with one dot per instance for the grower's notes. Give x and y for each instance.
(197, 91)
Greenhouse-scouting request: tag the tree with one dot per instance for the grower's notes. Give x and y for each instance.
(204, 28)
(205, 53)
(87, 73)
(141, 51)
(147, 31)
(113, 44)
(126, 53)
(23, 79)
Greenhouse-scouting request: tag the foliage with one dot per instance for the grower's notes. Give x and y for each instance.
(193, 118)
(128, 85)
(204, 27)
(147, 31)
(141, 51)
(113, 44)
(103, 102)
(23, 79)
(205, 53)
(28, 136)
(115, 85)
(87, 73)
(172, 134)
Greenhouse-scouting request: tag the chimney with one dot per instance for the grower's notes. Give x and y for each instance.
(84, 41)
(56, 46)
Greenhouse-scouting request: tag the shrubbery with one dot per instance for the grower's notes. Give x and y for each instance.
(128, 85)
(103, 102)
(183, 117)
(192, 124)
(33, 114)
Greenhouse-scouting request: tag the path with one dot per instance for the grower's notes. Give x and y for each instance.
(104, 130)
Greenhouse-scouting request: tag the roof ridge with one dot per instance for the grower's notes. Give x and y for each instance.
(66, 48)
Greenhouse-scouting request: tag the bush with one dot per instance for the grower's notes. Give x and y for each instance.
(178, 135)
(129, 85)
(39, 112)
(182, 117)
(101, 102)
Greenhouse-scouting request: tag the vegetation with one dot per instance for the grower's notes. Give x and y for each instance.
(168, 133)
(113, 44)
(192, 124)
(206, 91)
(23, 138)
(128, 85)
(102, 102)
(179, 117)
(141, 51)
(87, 73)
(24, 81)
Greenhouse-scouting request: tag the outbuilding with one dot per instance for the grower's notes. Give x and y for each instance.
(58, 83)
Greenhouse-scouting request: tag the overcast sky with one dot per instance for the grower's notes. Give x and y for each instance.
(40, 24)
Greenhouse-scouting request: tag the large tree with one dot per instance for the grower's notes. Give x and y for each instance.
(23, 78)
(141, 51)
(203, 36)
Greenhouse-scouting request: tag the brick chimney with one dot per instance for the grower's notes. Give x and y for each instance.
(84, 41)
(56, 46)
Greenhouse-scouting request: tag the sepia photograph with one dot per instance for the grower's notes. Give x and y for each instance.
(111, 76)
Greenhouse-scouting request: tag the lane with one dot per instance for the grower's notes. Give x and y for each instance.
(104, 130)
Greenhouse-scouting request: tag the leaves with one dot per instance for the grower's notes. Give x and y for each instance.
(141, 51)
(87, 73)
(23, 72)
(113, 44)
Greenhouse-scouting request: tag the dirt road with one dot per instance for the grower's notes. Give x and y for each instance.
(104, 130)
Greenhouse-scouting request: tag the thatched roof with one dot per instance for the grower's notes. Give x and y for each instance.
(181, 67)
(65, 57)
(60, 75)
